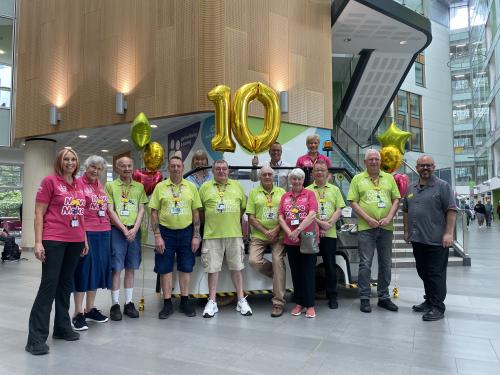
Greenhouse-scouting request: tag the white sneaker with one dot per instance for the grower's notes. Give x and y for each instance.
(210, 309)
(243, 307)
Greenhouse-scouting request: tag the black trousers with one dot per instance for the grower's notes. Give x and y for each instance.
(56, 284)
(431, 262)
(303, 270)
(327, 250)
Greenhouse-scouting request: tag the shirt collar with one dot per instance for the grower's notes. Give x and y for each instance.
(169, 182)
(431, 182)
(261, 188)
(228, 182)
(315, 186)
(366, 175)
(121, 183)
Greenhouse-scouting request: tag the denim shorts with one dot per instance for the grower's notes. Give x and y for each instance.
(177, 242)
(125, 254)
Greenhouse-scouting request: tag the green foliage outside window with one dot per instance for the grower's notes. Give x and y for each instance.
(10, 201)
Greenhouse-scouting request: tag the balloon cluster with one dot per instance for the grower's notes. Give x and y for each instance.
(393, 142)
(140, 133)
(233, 118)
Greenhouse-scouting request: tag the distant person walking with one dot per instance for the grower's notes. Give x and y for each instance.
(488, 208)
(480, 211)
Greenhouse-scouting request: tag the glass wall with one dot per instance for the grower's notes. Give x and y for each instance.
(7, 22)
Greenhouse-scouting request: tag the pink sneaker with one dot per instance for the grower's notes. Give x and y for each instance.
(297, 310)
(310, 312)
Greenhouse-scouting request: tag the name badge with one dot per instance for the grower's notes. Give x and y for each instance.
(295, 222)
(74, 223)
(175, 211)
(270, 216)
(221, 207)
(101, 213)
(381, 204)
(124, 213)
(322, 217)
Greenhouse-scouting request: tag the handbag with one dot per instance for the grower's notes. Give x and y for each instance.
(309, 242)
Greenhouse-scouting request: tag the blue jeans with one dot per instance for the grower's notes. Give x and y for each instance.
(368, 240)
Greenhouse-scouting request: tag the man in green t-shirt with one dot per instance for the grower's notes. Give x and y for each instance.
(223, 203)
(176, 225)
(262, 210)
(330, 204)
(126, 200)
(374, 196)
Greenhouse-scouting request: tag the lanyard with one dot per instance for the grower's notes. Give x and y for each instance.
(99, 200)
(376, 183)
(221, 192)
(295, 209)
(322, 200)
(75, 202)
(176, 195)
(125, 193)
(269, 197)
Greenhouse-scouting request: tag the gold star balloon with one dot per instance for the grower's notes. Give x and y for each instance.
(394, 136)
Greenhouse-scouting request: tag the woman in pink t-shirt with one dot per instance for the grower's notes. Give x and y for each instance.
(308, 160)
(59, 243)
(297, 211)
(94, 269)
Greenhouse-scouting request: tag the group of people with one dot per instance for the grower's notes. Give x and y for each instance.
(482, 212)
(86, 234)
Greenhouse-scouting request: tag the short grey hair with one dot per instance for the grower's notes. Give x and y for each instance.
(371, 151)
(95, 160)
(311, 137)
(266, 168)
(297, 172)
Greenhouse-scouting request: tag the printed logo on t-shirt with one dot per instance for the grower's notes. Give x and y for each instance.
(97, 202)
(73, 206)
(63, 189)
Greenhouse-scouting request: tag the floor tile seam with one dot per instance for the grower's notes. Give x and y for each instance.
(311, 354)
(497, 353)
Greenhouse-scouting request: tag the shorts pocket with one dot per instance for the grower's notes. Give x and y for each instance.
(242, 252)
(205, 258)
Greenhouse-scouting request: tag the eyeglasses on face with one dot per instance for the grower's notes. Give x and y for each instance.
(425, 166)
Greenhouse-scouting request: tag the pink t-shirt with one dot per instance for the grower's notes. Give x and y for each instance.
(306, 161)
(303, 203)
(63, 220)
(96, 205)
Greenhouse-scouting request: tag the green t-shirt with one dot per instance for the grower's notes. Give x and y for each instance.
(369, 197)
(175, 203)
(329, 199)
(223, 205)
(264, 206)
(126, 199)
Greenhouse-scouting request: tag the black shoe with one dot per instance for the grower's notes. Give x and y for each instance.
(333, 304)
(365, 306)
(423, 307)
(387, 304)
(115, 313)
(187, 308)
(40, 348)
(166, 311)
(79, 323)
(432, 315)
(67, 336)
(130, 310)
(96, 316)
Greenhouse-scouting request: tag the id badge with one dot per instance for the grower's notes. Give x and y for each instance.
(74, 223)
(175, 211)
(221, 207)
(270, 216)
(124, 213)
(381, 204)
(295, 222)
(101, 213)
(322, 217)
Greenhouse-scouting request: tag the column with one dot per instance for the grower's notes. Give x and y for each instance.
(39, 156)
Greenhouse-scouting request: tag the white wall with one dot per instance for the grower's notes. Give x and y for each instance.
(436, 100)
(11, 155)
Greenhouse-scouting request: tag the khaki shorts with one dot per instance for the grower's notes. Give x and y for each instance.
(213, 250)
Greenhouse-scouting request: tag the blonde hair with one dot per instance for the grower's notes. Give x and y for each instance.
(58, 162)
(199, 154)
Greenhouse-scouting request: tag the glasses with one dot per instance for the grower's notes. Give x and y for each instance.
(220, 169)
(425, 166)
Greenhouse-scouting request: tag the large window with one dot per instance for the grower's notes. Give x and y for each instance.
(10, 190)
(6, 33)
(409, 117)
(420, 70)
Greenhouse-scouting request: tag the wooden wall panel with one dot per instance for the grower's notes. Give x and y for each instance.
(165, 55)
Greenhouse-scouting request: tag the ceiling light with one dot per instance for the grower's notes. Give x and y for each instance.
(480, 73)
(67, 147)
(104, 150)
(153, 126)
(403, 42)
(82, 136)
(461, 45)
(459, 76)
(460, 106)
(124, 140)
(2, 52)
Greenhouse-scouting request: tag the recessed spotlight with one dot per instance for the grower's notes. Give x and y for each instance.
(23, 144)
(124, 140)
(82, 136)
(104, 150)
(153, 126)
(67, 147)
(459, 76)
(403, 42)
(2, 52)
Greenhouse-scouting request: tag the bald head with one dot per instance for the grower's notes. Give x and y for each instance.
(124, 167)
(425, 159)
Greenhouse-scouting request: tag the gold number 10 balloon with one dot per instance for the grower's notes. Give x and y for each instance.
(235, 120)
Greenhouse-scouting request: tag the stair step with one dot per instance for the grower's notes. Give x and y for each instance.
(410, 262)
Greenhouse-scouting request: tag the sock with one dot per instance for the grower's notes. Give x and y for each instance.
(128, 294)
(115, 296)
(167, 301)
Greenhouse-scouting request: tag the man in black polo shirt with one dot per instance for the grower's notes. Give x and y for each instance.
(429, 213)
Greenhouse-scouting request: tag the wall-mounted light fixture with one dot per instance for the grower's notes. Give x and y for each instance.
(284, 101)
(121, 104)
(54, 115)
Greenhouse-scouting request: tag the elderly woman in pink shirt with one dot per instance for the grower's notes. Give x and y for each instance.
(94, 269)
(308, 160)
(59, 242)
(297, 211)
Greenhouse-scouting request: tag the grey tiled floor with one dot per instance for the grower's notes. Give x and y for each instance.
(344, 341)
